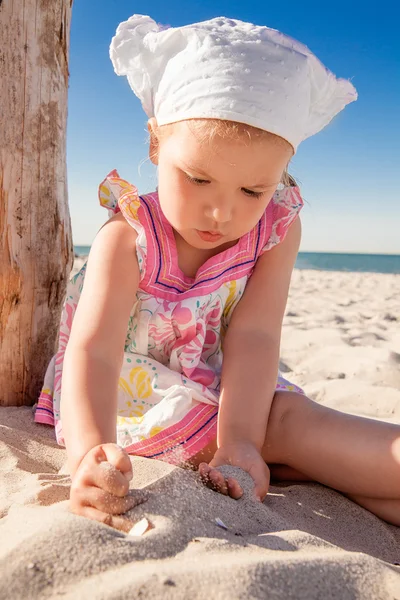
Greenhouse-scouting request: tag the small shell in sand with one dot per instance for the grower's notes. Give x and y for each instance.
(221, 524)
(140, 528)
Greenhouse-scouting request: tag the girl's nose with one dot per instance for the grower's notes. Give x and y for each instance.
(220, 213)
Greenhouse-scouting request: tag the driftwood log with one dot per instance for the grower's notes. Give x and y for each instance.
(35, 233)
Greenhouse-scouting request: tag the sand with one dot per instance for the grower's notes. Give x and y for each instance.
(341, 341)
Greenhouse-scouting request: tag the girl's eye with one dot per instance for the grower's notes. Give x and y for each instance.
(252, 193)
(196, 180)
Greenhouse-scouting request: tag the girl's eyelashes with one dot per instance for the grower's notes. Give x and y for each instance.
(252, 193)
(199, 181)
(196, 180)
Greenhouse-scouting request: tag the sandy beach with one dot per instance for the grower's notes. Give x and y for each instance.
(341, 343)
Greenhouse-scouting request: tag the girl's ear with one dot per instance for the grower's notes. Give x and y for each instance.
(154, 143)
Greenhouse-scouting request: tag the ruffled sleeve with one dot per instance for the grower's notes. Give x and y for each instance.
(281, 212)
(118, 195)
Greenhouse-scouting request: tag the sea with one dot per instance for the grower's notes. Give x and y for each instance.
(326, 261)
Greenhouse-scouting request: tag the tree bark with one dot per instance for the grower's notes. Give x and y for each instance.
(36, 251)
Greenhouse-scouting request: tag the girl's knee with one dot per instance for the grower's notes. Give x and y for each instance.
(285, 405)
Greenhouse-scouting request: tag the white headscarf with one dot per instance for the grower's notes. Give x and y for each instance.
(228, 69)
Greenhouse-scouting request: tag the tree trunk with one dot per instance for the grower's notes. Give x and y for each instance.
(35, 232)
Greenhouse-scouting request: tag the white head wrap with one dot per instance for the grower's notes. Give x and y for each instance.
(228, 69)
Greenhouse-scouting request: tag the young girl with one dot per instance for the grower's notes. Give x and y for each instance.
(170, 337)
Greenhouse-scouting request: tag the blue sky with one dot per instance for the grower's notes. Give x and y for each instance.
(349, 173)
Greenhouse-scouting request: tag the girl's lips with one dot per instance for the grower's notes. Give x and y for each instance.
(209, 236)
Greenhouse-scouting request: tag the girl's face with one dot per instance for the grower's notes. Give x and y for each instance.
(214, 193)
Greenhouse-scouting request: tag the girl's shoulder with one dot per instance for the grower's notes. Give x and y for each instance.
(121, 198)
(118, 195)
(140, 211)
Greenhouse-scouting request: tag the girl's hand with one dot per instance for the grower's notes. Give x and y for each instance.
(241, 454)
(100, 487)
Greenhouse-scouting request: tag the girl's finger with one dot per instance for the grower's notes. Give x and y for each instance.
(107, 477)
(108, 503)
(118, 522)
(119, 458)
(260, 474)
(234, 489)
(213, 479)
(204, 469)
(107, 466)
(218, 481)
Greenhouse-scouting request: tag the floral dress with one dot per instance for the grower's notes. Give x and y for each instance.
(169, 385)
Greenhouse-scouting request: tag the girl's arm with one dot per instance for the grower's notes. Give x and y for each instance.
(95, 349)
(252, 345)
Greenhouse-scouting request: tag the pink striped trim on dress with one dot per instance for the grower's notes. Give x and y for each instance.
(44, 410)
(183, 440)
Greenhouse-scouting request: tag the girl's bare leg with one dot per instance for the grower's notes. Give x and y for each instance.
(359, 457)
(354, 455)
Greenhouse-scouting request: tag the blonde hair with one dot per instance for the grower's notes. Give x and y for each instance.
(207, 129)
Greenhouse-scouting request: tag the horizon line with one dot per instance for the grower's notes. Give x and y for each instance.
(310, 251)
